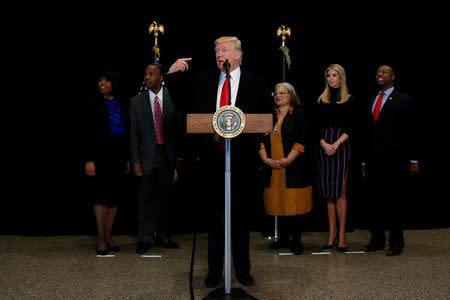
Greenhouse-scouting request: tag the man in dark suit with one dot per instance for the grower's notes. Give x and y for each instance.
(247, 93)
(153, 134)
(391, 154)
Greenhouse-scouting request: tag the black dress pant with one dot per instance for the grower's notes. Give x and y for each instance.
(387, 196)
(208, 162)
(241, 192)
(240, 241)
(154, 198)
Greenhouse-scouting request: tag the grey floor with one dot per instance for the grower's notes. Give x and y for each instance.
(66, 267)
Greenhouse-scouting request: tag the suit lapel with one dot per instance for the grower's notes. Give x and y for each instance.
(167, 108)
(214, 89)
(390, 102)
(147, 110)
(242, 86)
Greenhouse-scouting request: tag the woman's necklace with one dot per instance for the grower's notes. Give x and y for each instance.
(280, 118)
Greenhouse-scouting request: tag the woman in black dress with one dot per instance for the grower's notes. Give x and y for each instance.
(106, 152)
(335, 111)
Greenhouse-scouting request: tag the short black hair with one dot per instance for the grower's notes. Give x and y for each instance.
(112, 76)
(160, 69)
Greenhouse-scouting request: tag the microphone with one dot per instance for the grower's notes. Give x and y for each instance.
(226, 66)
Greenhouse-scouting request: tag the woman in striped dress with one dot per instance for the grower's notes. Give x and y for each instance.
(335, 112)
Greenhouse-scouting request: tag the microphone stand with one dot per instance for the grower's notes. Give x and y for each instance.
(228, 196)
(228, 293)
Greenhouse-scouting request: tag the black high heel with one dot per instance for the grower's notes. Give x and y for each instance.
(341, 249)
(335, 242)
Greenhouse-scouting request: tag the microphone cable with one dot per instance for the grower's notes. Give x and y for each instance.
(191, 269)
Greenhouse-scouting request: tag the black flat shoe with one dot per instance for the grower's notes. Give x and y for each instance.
(114, 248)
(297, 248)
(143, 247)
(278, 244)
(245, 279)
(101, 252)
(212, 280)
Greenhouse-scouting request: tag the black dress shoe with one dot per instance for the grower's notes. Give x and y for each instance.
(279, 244)
(372, 246)
(101, 252)
(143, 247)
(393, 251)
(212, 280)
(297, 248)
(245, 279)
(166, 243)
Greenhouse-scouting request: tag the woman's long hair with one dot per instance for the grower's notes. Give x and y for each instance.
(343, 90)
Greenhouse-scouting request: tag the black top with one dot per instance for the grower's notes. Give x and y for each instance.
(96, 130)
(335, 115)
(293, 130)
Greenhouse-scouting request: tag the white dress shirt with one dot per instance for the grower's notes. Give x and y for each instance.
(386, 95)
(234, 81)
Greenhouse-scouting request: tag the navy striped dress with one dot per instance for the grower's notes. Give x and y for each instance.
(332, 121)
(332, 169)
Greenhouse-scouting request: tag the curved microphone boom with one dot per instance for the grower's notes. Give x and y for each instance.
(226, 66)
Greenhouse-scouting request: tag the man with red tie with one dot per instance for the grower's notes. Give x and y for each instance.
(391, 154)
(208, 90)
(153, 135)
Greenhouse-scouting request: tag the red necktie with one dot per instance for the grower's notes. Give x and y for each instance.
(224, 96)
(158, 122)
(376, 110)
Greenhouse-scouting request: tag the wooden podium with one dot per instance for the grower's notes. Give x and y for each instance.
(203, 123)
(255, 123)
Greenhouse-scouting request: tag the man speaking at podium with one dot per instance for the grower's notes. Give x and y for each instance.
(209, 91)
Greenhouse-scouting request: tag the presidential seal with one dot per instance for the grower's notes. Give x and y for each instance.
(228, 121)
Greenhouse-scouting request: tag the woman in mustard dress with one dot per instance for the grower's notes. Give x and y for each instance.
(287, 169)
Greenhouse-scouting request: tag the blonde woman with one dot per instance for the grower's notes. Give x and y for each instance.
(335, 111)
